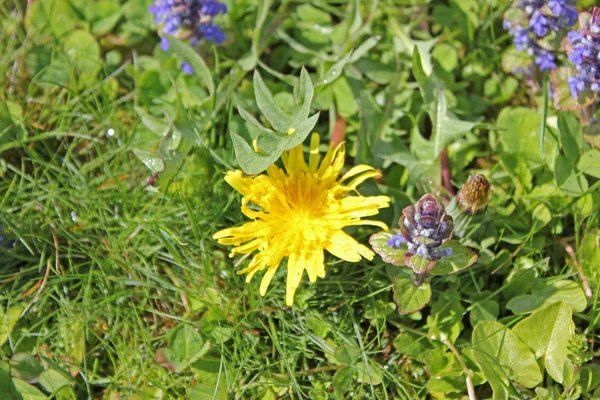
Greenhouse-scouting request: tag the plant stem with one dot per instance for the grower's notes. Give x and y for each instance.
(461, 361)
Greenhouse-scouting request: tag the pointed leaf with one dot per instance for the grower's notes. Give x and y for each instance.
(303, 98)
(252, 162)
(187, 53)
(335, 71)
(379, 243)
(548, 332)
(278, 118)
(421, 265)
(408, 297)
(302, 131)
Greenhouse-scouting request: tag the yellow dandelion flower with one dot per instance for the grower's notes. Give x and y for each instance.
(300, 212)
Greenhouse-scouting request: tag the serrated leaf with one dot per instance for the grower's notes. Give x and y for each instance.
(379, 243)
(461, 258)
(187, 53)
(548, 332)
(408, 297)
(278, 118)
(502, 357)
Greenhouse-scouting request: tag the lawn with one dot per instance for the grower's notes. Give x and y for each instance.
(328, 199)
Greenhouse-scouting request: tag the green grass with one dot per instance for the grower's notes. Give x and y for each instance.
(121, 291)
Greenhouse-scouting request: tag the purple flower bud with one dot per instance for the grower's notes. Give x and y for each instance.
(187, 68)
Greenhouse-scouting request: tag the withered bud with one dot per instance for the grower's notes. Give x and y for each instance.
(474, 195)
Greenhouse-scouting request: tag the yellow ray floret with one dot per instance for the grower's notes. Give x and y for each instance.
(300, 211)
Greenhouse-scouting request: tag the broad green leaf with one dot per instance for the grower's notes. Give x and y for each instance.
(379, 243)
(571, 135)
(461, 258)
(420, 265)
(278, 118)
(27, 391)
(568, 179)
(187, 54)
(548, 332)
(343, 378)
(412, 345)
(408, 297)
(26, 367)
(185, 346)
(84, 51)
(589, 163)
(503, 357)
(486, 310)
(347, 354)
(52, 381)
(548, 292)
(446, 316)
(7, 386)
(104, 16)
(8, 320)
(519, 132)
(368, 375)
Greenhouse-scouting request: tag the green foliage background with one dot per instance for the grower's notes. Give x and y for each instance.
(115, 289)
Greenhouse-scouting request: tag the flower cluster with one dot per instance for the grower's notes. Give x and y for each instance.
(424, 227)
(533, 21)
(189, 19)
(585, 54)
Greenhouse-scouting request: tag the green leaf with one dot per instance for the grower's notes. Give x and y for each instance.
(347, 354)
(364, 48)
(520, 136)
(278, 118)
(27, 391)
(155, 125)
(408, 297)
(249, 61)
(8, 320)
(461, 258)
(503, 357)
(568, 179)
(589, 163)
(53, 381)
(7, 386)
(420, 265)
(335, 71)
(84, 50)
(302, 98)
(26, 367)
(548, 292)
(369, 375)
(571, 135)
(548, 332)
(343, 378)
(187, 54)
(252, 162)
(185, 346)
(301, 132)
(379, 243)
(486, 310)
